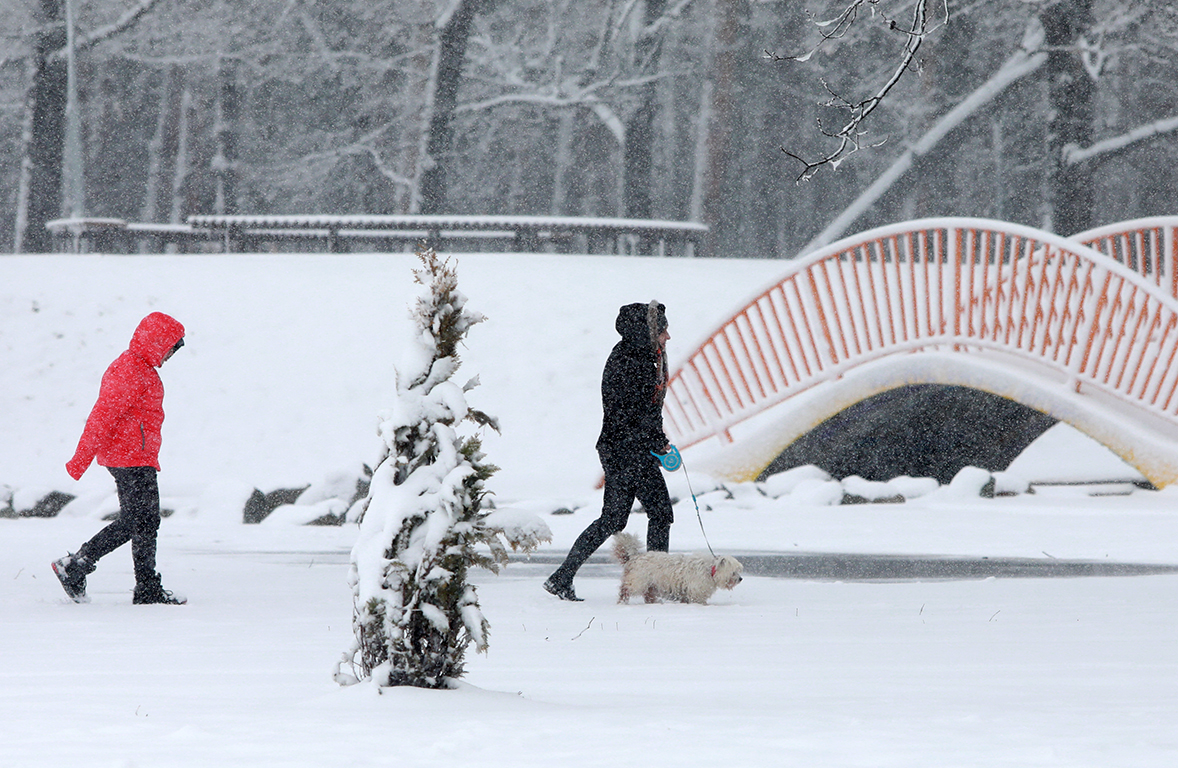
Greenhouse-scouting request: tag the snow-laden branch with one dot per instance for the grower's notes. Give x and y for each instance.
(93, 38)
(623, 57)
(447, 13)
(603, 111)
(1073, 154)
(552, 98)
(1018, 66)
(117, 27)
(610, 119)
(397, 179)
(314, 31)
(672, 14)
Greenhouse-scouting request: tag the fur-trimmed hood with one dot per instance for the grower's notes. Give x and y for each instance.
(642, 324)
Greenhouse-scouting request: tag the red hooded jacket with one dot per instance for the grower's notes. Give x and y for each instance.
(124, 426)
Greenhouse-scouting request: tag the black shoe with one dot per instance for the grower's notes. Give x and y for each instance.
(563, 591)
(71, 571)
(151, 592)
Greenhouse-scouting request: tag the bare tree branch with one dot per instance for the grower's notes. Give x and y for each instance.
(850, 135)
(831, 29)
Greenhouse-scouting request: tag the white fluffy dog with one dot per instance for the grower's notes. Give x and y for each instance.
(661, 576)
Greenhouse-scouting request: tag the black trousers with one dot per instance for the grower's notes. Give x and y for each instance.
(138, 522)
(640, 478)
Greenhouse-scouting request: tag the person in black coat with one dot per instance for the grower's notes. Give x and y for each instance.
(632, 388)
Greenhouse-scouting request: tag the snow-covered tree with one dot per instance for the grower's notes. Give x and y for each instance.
(423, 520)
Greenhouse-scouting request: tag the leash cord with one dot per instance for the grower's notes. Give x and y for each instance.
(698, 516)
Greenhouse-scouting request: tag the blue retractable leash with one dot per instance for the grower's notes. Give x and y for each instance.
(671, 461)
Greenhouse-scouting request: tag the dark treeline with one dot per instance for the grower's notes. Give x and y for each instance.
(1061, 115)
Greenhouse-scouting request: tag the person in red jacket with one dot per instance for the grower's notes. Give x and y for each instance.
(123, 435)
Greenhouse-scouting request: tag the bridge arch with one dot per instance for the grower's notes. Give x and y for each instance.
(1044, 321)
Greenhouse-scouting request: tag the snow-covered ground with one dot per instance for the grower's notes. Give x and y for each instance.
(287, 361)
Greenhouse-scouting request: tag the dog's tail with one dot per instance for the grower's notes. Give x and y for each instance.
(626, 547)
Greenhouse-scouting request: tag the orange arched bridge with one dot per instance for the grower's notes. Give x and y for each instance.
(1081, 329)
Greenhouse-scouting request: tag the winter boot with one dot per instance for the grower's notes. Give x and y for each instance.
(71, 571)
(151, 592)
(563, 591)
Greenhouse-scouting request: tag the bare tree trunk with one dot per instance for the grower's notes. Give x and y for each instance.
(998, 172)
(226, 126)
(421, 88)
(730, 18)
(565, 127)
(73, 161)
(451, 52)
(638, 151)
(637, 157)
(156, 149)
(44, 141)
(180, 168)
(1071, 112)
(39, 200)
(700, 168)
(25, 177)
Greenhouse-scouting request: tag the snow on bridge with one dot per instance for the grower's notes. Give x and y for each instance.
(1088, 338)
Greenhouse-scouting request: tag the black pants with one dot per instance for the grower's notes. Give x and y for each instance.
(640, 478)
(138, 522)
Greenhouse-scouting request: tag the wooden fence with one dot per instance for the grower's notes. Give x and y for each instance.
(383, 233)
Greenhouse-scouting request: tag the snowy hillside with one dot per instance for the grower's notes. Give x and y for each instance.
(290, 358)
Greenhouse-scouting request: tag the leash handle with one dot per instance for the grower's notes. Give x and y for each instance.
(671, 460)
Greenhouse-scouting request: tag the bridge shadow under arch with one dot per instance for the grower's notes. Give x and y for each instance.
(919, 430)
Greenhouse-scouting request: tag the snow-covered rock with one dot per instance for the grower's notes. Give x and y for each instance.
(816, 491)
(330, 510)
(913, 487)
(1010, 484)
(971, 481)
(859, 490)
(786, 482)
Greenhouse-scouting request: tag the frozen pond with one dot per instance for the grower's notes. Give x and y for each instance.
(822, 566)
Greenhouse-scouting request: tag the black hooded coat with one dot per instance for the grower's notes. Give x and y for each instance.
(632, 390)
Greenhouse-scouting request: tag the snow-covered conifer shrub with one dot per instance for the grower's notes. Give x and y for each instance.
(422, 523)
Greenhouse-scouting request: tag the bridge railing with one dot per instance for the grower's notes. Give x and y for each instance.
(961, 285)
(1147, 246)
